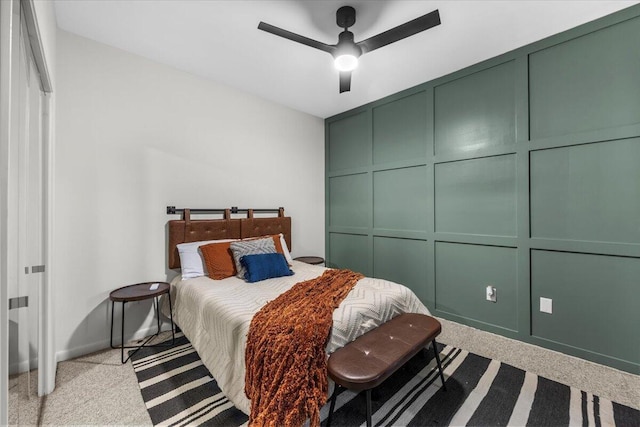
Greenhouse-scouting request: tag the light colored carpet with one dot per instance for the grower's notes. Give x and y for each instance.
(610, 383)
(97, 389)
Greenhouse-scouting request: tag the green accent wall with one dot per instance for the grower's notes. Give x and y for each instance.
(521, 172)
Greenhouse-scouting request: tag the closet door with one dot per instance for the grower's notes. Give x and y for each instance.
(31, 195)
(27, 235)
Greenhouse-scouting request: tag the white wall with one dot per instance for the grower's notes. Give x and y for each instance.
(134, 136)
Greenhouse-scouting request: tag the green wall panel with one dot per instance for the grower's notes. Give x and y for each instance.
(400, 199)
(588, 83)
(349, 201)
(596, 302)
(349, 144)
(476, 111)
(400, 130)
(402, 261)
(462, 274)
(349, 251)
(587, 192)
(520, 172)
(476, 196)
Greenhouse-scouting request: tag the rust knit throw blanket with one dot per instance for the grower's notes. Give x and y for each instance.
(286, 363)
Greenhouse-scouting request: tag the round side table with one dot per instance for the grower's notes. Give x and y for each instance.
(139, 292)
(315, 260)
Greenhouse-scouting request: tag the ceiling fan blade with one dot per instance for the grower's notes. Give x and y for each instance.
(345, 81)
(401, 31)
(295, 37)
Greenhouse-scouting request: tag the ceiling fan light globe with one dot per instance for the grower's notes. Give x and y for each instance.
(346, 62)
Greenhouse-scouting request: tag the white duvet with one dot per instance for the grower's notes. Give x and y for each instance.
(215, 316)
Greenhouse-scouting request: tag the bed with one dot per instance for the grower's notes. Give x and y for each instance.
(215, 315)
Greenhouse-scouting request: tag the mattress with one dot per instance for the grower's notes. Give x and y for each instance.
(215, 316)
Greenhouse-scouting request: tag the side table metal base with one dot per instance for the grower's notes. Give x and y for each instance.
(144, 344)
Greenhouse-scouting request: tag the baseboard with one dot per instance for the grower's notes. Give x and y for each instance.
(23, 366)
(83, 350)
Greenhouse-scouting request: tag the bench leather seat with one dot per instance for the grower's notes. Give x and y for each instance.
(370, 359)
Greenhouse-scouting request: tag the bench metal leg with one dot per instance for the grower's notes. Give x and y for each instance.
(369, 408)
(333, 404)
(435, 351)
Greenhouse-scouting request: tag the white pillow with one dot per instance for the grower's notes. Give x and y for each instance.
(191, 261)
(285, 249)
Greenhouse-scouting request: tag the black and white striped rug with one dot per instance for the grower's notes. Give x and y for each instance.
(178, 390)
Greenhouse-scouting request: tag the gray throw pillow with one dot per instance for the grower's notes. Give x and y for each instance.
(250, 247)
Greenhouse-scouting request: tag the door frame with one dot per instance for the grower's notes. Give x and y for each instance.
(46, 350)
(9, 18)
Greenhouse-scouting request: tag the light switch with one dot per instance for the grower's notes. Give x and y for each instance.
(546, 305)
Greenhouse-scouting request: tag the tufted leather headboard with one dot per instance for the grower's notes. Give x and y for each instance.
(189, 230)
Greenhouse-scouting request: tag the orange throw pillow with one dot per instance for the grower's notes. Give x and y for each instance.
(276, 241)
(218, 257)
(219, 260)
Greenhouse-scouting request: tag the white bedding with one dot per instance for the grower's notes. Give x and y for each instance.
(215, 316)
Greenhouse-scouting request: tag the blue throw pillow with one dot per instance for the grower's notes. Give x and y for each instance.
(264, 266)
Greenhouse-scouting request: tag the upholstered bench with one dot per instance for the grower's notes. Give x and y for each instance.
(366, 362)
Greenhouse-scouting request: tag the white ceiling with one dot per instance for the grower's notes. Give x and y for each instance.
(219, 40)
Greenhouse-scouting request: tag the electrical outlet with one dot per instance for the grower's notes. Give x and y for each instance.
(491, 294)
(546, 305)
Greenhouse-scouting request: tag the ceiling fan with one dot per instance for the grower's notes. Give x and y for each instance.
(346, 51)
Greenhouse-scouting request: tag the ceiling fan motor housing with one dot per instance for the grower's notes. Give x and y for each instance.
(346, 17)
(346, 45)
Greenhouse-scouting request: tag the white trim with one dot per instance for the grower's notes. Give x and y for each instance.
(72, 353)
(46, 339)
